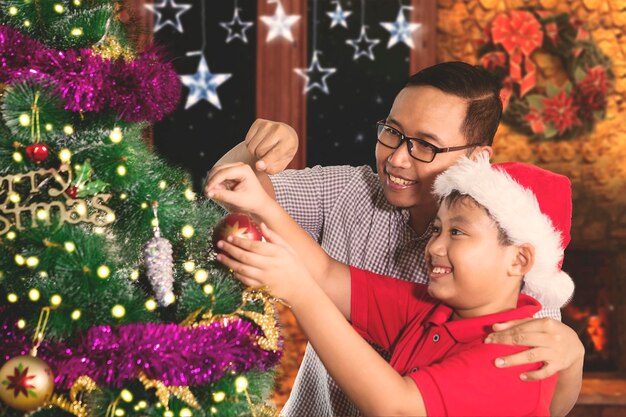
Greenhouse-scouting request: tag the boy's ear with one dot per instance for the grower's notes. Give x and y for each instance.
(479, 150)
(524, 259)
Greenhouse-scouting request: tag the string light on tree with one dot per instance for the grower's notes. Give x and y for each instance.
(338, 16)
(401, 30)
(363, 46)
(167, 7)
(236, 27)
(279, 24)
(315, 76)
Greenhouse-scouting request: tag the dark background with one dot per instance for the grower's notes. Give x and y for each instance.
(340, 125)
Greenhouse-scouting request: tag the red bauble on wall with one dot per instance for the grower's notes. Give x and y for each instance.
(237, 225)
(37, 152)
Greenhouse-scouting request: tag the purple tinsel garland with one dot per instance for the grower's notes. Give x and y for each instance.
(145, 89)
(173, 354)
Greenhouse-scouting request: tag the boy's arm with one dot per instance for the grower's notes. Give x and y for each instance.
(332, 276)
(553, 343)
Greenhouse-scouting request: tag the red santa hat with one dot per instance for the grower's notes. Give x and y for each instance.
(532, 205)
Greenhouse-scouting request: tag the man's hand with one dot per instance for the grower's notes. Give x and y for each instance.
(273, 144)
(237, 188)
(550, 341)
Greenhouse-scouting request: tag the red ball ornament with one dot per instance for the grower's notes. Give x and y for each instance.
(238, 225)
(37, 152)
(72, 191)
(26, 383)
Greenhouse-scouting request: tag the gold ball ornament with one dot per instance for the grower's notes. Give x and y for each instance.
(26, 383)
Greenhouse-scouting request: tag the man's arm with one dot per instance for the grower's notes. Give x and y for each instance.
(553, 343)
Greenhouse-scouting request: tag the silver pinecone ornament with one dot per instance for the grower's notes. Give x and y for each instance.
(160, 265)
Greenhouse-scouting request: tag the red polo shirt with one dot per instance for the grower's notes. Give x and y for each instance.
(452, 367)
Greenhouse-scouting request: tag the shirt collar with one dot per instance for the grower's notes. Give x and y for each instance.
(467, 330)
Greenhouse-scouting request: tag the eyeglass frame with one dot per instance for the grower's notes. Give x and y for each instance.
(406, 139)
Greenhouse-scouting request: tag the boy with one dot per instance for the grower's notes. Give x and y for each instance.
(498, 228)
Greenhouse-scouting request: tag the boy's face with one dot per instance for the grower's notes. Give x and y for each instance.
(434, 116)
(469, 269)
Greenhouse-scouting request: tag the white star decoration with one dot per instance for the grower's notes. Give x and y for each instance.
(363, 45)
(315, 76)
(280, 24)
(401, 30)
(339, 16)
(236, 28)
(203, 85)
(166, 6)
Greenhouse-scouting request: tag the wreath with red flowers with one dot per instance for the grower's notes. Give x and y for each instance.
(550, 111)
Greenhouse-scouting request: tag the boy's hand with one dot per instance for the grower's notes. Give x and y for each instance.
(272, 264)
(237, 188)
(550, 341)
(273, 144)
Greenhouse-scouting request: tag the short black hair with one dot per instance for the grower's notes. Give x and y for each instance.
(476, 85)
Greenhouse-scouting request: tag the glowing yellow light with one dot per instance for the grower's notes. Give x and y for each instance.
(24, 119)
(119, 412)
(162, 185)
(188, 231)
(32, 261)
(77, 167)
(48, 127)
(170, 298)
(168, 413)
(17, 157)
(77, 3)
(21, 323)
(103, 271)
(144, 205)
(81, 209)
(76, 32)
(12, 298)
(14, 198)
(121, 170)
(110, 217)
(190, 195)
(42, 214)
(118, 311)
(69, 246)
(126, 395)
(99, 230)
(185, 412)
(151, 305)
(123, 196)
(208, 289)
(116, 135)
(13, 10)
(27, 23)
(34, 294)
(134, 275)
(241, 383)
(19, 259)
(43, 274)
(59, 8)
(219, 396)
(213, 410)
(65, 155)
(189, 266)
(68, 129)
(56, 300)
(142, 404)
(201, 276)
(154, 222)
(75, 315)
(11, 235)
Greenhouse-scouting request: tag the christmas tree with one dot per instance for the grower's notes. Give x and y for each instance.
(111, 302)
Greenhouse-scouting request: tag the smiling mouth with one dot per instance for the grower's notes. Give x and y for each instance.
(400, 181)
(440, 270)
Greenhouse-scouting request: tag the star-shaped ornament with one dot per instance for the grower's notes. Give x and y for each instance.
(236, 28)
(279, 24)
(363, 45)
(338, 17)
(315, 76)
(203, 85)
(20, 383)
(401, 30)
(170, 8)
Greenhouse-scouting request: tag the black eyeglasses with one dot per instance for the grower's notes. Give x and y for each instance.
(418, 148)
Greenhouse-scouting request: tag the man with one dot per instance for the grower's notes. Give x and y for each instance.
(381, 222)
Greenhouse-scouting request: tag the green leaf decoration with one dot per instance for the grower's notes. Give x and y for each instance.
(535, 101)
(579, 74)
(32, 393)
(598, 114)
(568, 88)
(550, 131)
(92, 188)
(552, 90)
(83, 182)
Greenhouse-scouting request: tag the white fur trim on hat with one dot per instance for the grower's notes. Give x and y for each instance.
(516, 210)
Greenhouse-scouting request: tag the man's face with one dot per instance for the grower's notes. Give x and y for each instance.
(434, 116)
